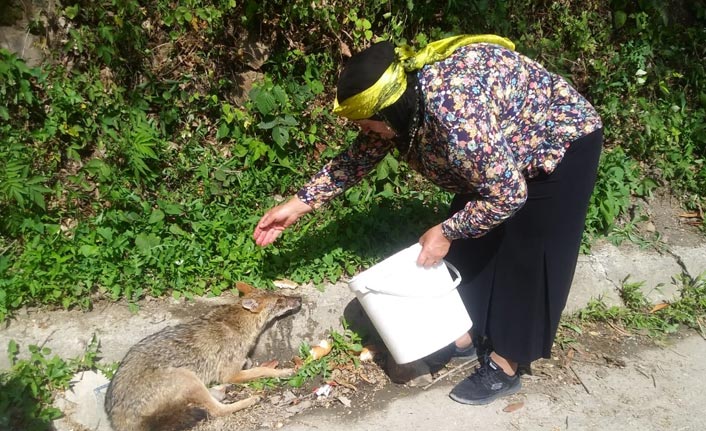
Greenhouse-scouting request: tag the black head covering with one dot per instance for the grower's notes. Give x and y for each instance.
(363, 70)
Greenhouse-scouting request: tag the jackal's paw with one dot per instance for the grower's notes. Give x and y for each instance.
(218, 392)
(285, 372)
(251, 401)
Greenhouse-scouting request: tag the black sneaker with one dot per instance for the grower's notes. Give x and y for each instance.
(437, 360)
(486, 384)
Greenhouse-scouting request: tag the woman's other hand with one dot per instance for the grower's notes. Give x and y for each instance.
(434, 247)
(278, 219)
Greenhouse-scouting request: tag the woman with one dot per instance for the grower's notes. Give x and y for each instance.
(519, 147)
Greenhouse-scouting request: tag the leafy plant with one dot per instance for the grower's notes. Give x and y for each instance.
(639, 314)
(619, 180)
(22, 189)
(29, 387)
(128, 167)
(345, 348)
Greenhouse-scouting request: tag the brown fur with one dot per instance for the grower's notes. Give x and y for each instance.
(161, 382)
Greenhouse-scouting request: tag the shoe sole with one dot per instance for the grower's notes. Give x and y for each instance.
(485, 401)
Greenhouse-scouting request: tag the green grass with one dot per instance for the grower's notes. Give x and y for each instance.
(120, 178)
(639, 315)
(28, 388)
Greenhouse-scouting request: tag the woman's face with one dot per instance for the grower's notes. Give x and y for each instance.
(376, 128)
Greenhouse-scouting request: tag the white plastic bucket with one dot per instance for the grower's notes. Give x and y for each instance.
(416, 311)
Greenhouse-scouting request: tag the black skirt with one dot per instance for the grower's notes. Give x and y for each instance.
(516, 278)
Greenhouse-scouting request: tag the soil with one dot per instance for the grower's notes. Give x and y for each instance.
(368, 387)
(668, 222)
(346, 386)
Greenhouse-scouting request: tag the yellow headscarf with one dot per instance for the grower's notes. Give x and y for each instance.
(393, 82)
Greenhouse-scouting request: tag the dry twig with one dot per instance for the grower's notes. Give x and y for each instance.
(701, 328)
(451, 372)
(619, 330)
(580, 381)
(649, 376)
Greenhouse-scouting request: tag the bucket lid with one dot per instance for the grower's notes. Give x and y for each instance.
(399, 275)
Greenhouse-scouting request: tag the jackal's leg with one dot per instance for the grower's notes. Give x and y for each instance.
(219, 391)
(197, 394)
(243, 376)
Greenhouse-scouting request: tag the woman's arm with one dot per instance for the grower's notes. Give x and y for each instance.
(344, 170)
(341, 172)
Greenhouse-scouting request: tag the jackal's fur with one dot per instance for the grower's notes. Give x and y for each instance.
(161, 382)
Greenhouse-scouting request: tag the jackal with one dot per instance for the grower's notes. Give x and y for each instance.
(161, 382)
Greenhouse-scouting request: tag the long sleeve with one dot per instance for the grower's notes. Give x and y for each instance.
(489, 125)
(344, 170)
(488, 162)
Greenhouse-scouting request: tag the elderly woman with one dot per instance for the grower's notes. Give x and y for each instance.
(517, 145)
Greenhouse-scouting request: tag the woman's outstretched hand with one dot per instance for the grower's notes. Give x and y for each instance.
(434, 247)
(277, 219)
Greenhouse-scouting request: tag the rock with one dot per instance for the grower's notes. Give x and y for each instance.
(25, 45)
(83, 402)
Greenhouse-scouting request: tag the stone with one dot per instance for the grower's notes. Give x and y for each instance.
(83, 403)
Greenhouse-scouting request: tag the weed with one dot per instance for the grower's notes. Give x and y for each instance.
(345, 348)
(128, 168)
(638, 314)
(566, 334)
(29, 387)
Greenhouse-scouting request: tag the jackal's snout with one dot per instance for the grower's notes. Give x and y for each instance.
(287, 304)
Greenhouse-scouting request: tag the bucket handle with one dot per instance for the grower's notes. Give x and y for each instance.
(454, 285)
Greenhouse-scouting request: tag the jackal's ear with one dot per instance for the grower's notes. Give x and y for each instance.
(250, 304)
(244, 288)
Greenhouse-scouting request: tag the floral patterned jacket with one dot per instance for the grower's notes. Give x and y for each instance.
(491, 119)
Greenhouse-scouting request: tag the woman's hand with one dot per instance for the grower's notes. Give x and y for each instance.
(278, 219)
(434, 247)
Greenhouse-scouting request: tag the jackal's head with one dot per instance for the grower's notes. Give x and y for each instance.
(272, 304)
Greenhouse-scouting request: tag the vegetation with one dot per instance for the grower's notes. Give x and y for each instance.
(640, 315)
(637, 315)
(28, 388)
(132, 164)
(136, 161)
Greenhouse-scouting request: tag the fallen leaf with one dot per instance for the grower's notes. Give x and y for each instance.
(658, 307)
(244, 288)
(285, 284)
(366, 379)
(270, 364)
(345, 50)
(612, 360)
(569, 357)
(346, 385)
(513, 407)
(323, 349)
(345, 401)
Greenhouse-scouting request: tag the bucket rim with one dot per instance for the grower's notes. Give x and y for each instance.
(450, 288)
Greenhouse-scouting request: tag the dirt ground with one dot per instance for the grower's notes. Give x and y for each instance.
(349, 386)
(357, 391)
